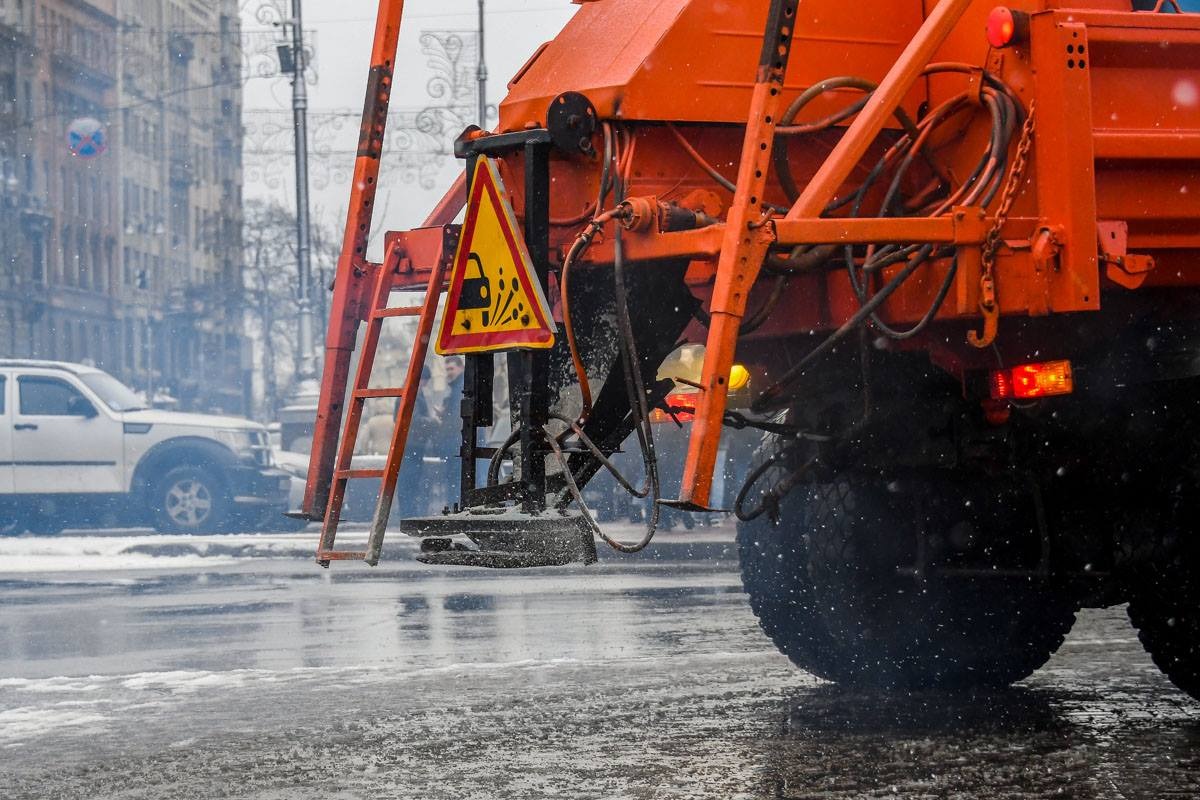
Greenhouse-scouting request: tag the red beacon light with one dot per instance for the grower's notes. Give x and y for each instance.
(1031, 381)
(1006, 27)
(682, 407)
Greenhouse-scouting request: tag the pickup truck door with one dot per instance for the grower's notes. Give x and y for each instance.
(6, 434)
(63, 441)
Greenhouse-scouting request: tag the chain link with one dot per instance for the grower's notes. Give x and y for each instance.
(991, 244)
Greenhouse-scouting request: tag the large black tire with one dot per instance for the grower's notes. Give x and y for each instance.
(1164, 602)
(1169, 629)
(189, 500)
(823, 579)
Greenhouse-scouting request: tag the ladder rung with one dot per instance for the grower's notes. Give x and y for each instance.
(341, 555)
(403, 311)
(389, 391)
(347, 474)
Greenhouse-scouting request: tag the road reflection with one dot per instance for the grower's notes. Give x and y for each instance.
(1025, 741)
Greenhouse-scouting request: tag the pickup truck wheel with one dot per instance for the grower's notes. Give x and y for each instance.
(11, 524)
(42, 523)
(827, 584)
(189, 500)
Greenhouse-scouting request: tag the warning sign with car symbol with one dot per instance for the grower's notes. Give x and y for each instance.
(494, 301)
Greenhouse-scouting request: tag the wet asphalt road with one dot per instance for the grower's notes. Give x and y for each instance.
(137, 666)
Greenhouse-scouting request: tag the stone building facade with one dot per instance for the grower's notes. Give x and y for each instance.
(132, 259)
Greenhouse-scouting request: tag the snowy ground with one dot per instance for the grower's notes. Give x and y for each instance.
(132, 552)
(141, 666)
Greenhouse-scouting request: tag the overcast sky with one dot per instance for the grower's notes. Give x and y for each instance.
(343, 38)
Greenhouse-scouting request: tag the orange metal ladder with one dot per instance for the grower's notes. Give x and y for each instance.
(386, 280)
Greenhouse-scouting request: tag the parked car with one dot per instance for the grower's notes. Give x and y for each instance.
(78, 447)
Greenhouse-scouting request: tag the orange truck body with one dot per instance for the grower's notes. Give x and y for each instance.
(954, 244)
(1106, 216)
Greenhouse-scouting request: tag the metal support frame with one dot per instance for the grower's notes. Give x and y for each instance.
(743, 249)
(529, 372)
(529, 395)
(748, 236)
(353, 279)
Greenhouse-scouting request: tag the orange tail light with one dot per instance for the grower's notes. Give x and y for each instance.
(1031, 381)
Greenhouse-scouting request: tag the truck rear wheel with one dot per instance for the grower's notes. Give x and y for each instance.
(828, 584)
(1166, 612)
(1170, 632)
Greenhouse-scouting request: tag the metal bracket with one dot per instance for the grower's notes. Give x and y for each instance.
(1122, 268)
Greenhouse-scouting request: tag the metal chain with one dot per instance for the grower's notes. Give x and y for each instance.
(991, 244)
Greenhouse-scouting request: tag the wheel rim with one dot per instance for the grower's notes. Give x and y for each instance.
(189, 503)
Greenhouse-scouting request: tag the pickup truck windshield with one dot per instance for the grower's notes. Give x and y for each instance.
(115, 394)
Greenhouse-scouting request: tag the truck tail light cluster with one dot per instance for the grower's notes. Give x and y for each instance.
(1031, 381)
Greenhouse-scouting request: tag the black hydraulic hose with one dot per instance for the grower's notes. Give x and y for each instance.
(638, 407)
(991, 170)
(739, 504)
(493, 474)
(605, 174)
(980, 188)
(636, 389)
(782, 166)
(775, 391)
(603, 459)
(778, 490)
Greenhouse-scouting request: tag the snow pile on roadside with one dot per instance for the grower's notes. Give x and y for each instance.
(18, 725)
(103, 553)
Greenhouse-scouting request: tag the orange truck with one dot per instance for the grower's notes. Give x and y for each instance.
(941, 254)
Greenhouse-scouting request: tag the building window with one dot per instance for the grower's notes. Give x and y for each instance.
(81, 262)
(39, 259)
(99, 276)
(66, 243)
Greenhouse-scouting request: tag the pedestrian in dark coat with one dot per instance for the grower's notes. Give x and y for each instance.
(413, 489)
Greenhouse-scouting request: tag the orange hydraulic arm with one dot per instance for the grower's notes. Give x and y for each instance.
(743, 249)
(748, 234)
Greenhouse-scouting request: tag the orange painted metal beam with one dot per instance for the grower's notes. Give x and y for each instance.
(1142, 145)
(700, 244)
(352, 281)
(964, 226)
(879, 109)
(747, 239)
(743, 248)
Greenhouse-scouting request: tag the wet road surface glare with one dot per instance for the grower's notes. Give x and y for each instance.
(137, 666)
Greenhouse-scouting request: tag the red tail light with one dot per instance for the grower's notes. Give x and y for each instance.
(1031, 381)
(682, 405)
(1006, 27)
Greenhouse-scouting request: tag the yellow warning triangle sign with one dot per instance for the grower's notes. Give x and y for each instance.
(495, 300)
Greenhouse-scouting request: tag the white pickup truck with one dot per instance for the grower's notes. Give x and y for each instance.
(78, 447)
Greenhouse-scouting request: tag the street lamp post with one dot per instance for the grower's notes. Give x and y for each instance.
(306, 385)
(297, 417)
(482, 74)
